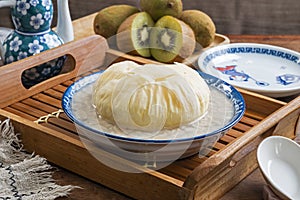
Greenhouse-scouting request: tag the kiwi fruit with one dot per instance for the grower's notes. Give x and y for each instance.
(160, 8)
(108, 20)
(133, 35)
(202, 25)
(171, 40)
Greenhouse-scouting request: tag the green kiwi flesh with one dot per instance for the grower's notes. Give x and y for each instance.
(134, 34)
(171, 39)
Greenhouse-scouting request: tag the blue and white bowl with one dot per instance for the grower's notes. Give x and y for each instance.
(278, 160)
(266, 69)
(76, 103)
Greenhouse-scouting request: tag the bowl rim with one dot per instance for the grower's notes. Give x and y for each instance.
(259, 159)
(235, 119)
(207, 52)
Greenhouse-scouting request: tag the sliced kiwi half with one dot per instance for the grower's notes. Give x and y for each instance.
(171, 40)
(134, 34)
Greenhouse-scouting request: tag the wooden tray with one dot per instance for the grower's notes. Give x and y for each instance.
(36, 114)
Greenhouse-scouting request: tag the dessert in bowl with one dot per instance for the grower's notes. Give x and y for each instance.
(152, 112)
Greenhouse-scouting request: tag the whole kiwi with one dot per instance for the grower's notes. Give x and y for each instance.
(160, 8)
(108, 20)
(202, 25)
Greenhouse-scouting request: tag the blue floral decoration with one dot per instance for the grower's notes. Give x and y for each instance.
(32, 16)
(33, 34)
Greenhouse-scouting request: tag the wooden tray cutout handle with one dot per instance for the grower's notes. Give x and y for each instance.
(85, 54)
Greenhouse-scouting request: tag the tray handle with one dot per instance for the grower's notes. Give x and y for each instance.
(282, 122)
(83, 55)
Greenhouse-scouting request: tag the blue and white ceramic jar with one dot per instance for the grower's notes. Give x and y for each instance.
(18, 46)
(32, 35)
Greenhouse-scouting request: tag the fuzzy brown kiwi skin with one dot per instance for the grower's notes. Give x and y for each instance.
(202, 25)
(108, 20)
(160, 8)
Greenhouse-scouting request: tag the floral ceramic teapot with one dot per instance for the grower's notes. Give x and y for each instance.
(33, 34)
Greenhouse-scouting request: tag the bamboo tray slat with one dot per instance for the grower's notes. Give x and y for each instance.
(209, 177)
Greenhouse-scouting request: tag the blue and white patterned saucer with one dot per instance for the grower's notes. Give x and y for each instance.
(266, 69)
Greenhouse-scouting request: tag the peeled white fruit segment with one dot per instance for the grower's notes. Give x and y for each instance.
(150, 97)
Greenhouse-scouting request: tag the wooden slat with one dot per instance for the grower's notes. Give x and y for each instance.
(20, 113)
(226, 139)
(235, 133)
(67, 83)
(60, 88)
(241, 127)
(29, 110)
(188, 163)
(176, 171)
(219, 146)
(64, 116)
(53, 93)
(40, 105)
(249, 121)
(47, 99)
(255, 115)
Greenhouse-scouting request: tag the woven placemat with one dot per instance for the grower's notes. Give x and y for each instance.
(22, 175)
